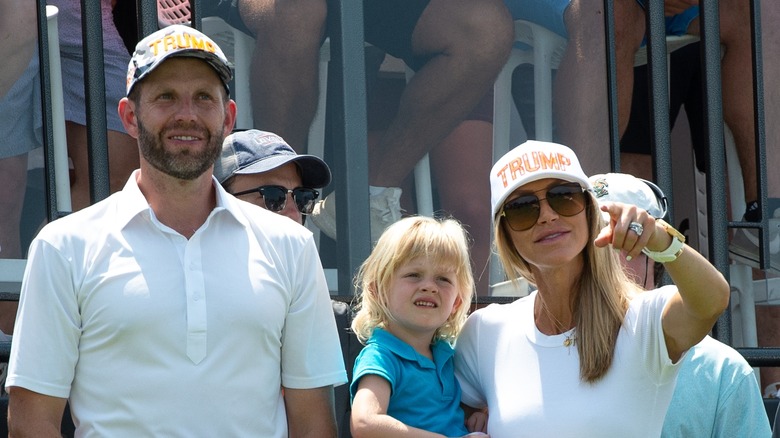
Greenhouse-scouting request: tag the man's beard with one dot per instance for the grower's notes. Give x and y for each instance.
(183, 164)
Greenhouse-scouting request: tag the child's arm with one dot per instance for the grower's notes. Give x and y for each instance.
(369, 412)
(476, 419)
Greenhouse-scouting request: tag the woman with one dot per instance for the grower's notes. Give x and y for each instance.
(586, 354)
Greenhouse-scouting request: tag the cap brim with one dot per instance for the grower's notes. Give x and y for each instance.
(314, 172)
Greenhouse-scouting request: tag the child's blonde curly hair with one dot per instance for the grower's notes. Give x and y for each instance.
(444, 241)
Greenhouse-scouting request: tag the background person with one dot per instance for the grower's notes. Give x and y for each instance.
(717, 394)
(261, 168)
(455, 47)
(21, 125)
(170, 292)
(586, 342)
(123, 151)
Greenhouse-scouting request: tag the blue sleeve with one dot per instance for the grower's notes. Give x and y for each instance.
(741, 413)
(374, 360)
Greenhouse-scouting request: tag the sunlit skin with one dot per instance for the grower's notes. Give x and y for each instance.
(287, 175)
(182, 117)
(179, 113)
(420, 299)
(554, 242)
(641, 269)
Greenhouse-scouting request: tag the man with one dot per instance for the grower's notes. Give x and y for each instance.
(171, 308)
(716, 393)
(261, 168)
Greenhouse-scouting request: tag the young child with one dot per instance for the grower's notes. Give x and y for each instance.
(415, 289)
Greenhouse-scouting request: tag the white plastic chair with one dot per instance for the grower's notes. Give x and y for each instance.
(61, 170)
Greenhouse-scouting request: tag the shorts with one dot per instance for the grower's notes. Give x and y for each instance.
(550, 14)
(685, 90)
(547, 13)
(226, 10)
(677, 24)
(21, 115)
(115, 61)
(389, 25)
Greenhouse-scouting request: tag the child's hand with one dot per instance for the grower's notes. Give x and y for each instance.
(477, 423)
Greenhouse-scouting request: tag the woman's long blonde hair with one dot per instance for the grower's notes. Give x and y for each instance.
(601, 302)
(444, 241)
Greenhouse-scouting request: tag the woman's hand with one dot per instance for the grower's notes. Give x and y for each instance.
(631, 229)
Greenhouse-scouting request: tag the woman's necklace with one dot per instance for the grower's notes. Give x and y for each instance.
(571, 338)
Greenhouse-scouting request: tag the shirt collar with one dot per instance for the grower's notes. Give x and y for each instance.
(132, 202)
(442, 350)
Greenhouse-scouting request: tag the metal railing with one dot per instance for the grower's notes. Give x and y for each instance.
(347, 120)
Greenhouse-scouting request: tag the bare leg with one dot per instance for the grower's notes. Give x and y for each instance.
(18, 36)
(463, 156)
(123, 159)
(767, 320)
(770, 14)
(285, 64)
(737, 86)
(13, 180)
(470, 41)
(580, 88)
(639, 165)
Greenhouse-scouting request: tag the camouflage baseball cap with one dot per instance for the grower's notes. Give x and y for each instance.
(176, 40)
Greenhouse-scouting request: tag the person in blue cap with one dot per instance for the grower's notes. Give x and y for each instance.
(261, 168)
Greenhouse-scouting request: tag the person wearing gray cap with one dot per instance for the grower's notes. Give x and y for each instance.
(261, 168)
(172, 308)
(716, 393)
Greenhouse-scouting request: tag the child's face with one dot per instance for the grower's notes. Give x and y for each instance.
(421, 298)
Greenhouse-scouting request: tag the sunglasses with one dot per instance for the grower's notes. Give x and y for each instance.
(522, 213)
(275, 197)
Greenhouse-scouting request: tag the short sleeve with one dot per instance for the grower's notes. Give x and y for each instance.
(467, 362)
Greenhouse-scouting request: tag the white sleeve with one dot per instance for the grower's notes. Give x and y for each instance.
(467, 363)
(44, 351)
(311, 352)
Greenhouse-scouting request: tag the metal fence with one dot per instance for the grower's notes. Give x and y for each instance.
(348, 127)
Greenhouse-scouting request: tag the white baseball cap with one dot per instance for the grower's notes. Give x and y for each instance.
(532, 161)
(628, 189)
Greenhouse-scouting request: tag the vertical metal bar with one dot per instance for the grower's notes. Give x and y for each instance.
(46, 104)
(717, 220)
(759, 126)
(612, 99)
(147, 17)
(658, 86)
(347, 102)
(195, 14)
(95, 93)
